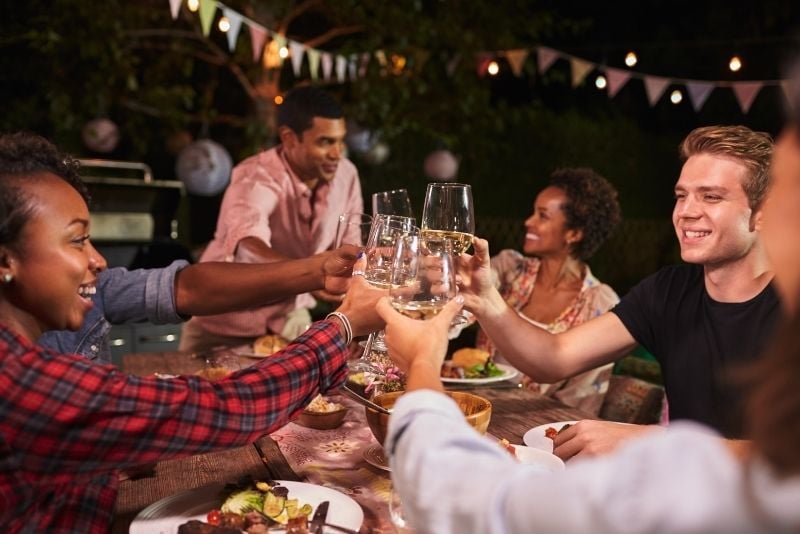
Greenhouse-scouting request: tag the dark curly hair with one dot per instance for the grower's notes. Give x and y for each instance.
(591, 206)
(302, 104)
(22, 157)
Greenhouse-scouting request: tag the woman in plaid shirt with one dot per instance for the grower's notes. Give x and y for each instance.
(67, 423)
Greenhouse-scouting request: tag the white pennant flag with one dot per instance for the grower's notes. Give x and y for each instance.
(296, 49)
(235, 19)
(545, 57)
(352, 66)
(341, 69)
(746, 93)
(699, 93)
(175, 8)
(327, 65)
(617, 78)
(580, 69)
(655, 86)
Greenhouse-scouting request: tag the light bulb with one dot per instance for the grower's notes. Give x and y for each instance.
(631, 59)
(193, 5)
(278, 100)
(283, 52)
(600, 82)
(493, 68)
(224, 24)
(676, 97)
(735, 64)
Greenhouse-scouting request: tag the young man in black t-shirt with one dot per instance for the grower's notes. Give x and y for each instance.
(699, 320)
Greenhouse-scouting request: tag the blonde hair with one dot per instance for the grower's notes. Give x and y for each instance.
(751, 149)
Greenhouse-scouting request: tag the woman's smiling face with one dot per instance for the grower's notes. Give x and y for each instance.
(53, 264)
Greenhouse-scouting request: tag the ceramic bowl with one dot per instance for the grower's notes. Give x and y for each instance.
(322, 420)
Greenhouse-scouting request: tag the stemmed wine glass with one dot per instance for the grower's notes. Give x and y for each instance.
(352, 229)
(449, 215)
(395, 202)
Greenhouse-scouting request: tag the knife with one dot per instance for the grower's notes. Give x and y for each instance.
(320, 515)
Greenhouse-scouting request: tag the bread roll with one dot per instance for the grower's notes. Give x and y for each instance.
(269, 344)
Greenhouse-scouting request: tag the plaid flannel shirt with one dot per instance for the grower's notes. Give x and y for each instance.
(67, 423)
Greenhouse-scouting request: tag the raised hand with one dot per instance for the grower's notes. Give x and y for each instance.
(337, 269)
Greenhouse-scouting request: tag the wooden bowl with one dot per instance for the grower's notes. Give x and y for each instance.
(477, 411)
(322, 420)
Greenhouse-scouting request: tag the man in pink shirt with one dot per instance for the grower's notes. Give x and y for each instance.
(282, 203)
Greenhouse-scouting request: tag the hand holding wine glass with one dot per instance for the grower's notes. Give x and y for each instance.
(449, 214)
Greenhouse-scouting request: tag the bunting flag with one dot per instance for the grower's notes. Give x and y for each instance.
(208, 8)
(235, 20)
(313, 62)
(452, 64)
(545, 57)
(352, 66)
(698, 92)
(380, 55)
(296, 51)
(516, 58)
(175, 8)
(580, 69)
(327, 66)
(257, 37)
(363, 64)
(341, 66)
(655, 87)
(617, 78)
(746, 93)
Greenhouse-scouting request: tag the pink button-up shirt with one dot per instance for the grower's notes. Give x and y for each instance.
(268, 201)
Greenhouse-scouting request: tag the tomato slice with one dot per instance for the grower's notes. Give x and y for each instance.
(213, 517)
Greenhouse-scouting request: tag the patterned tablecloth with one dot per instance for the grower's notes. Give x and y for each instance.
(335, 458)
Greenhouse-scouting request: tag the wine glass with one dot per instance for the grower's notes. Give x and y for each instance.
(398, 515)
(395, 202)
(449, 215)
(352, 229)
(423, 277)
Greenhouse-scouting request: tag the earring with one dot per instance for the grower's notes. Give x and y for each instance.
(7, 278)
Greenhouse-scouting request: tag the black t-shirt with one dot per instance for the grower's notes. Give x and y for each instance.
(698, 341)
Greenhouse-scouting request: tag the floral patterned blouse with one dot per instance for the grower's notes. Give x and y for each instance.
(516, 278)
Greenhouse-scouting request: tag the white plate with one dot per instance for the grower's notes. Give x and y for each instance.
(376, 457)
(538, 457)
(535, 436)
(166, 515)
(508, 373)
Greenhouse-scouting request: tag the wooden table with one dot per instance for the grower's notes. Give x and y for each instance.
(514, 411)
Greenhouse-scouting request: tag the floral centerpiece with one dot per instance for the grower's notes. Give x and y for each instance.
(378, 374)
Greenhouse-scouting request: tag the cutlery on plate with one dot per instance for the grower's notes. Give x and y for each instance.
(320, 515)
(366, 402)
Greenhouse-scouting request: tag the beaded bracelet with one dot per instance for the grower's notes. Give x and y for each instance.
(348, 328)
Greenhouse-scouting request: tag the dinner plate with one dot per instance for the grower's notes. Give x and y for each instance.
(375, 456)
(508, 373)
(535, 436)
(166, 515)
(533, 456)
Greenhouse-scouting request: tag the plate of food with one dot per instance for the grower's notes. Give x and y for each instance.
(376, 457)
(475, 366)
(284, 501)
(541, 437)
(547, 461)
(262, 347)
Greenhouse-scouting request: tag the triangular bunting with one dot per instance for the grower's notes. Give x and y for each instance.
(257, 37)
(745, 93)
(655, 86)
(699, 93)
(452, 64)
(341, 66)
(352, 66)
(313, 62)
(516, 58)
(363, 63)
(296, 50)
(482, 64)
(617, 78)
(580, 69)
(545, 57)
(175, 8)
(235, 20)
(327, 66)
(208, 8)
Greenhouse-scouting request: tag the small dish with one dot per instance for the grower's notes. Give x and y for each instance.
(376, 457)
(322, 420)
(533, 456)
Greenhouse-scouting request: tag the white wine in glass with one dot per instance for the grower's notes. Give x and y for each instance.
(449, 215)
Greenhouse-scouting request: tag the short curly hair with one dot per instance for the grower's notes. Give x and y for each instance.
(22, 157)
(591, 207)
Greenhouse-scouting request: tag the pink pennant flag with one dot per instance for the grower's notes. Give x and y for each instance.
(545, 57)
(296, 50)
(341, 68)
(746, 93)
(235, 19)
(655, 86)
(327, 66)
(580, 69)
(516, 58)
(208, 8)
(257, 37)
(363, 63)
(313, 62)
(617, 78)
(699, 93)
(175, 8)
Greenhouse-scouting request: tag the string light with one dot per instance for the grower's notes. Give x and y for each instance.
(278, 100)
(224, 24)
(676, 97)
(735, 64)
(283, 52)
(193, 5)
(631, 59)
(600, 82)
(493, 68)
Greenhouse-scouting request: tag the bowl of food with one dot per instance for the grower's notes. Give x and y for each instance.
(477, 411)
(322, 414)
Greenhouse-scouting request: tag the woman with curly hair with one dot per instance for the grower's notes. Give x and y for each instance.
(551, 285)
